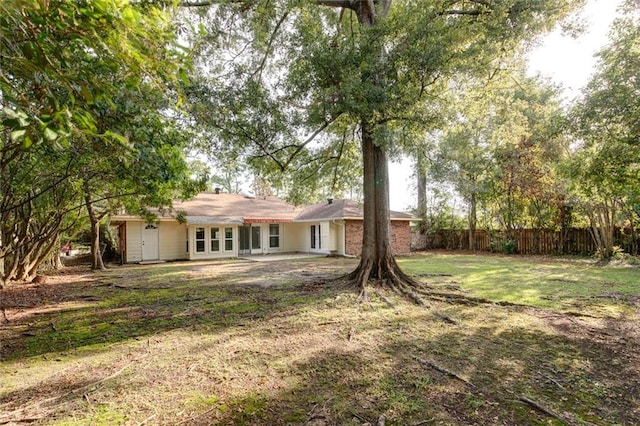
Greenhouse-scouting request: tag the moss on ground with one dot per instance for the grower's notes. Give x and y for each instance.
(280, 343)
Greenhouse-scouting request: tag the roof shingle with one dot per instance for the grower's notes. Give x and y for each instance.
(217, 208)
(340, 209)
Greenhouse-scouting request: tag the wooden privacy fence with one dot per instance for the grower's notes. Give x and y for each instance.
(527, 241)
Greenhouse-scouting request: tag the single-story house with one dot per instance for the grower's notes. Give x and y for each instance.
(220, 225)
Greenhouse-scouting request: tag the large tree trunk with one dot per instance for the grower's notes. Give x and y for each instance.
(377, 262)
(421, 171)
(47, 250)
(368, 253)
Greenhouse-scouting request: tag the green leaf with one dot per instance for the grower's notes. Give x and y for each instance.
(27, 142)
(11, 123)
(28, 51)
(50, 134)
(86, 93)
(17, 134)
(20, 117)
(183, 76)
(15, 123)
(117, 137)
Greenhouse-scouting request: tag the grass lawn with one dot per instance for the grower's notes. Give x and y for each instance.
(235, 342)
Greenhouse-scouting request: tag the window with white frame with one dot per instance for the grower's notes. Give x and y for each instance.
(200, 240)
(215, 239)
(228, 239)
(274, 235)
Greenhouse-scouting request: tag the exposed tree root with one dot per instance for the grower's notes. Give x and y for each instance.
(409, 292)
(520, 398)
(386, 300)
(443, 370)
(14, 416)
(21, 420)
(386, 274)
(391, 277)
(446, 318)
(544, 409)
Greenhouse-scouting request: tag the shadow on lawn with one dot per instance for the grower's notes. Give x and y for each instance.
(582, 379)
(583, 372)
(136, 302)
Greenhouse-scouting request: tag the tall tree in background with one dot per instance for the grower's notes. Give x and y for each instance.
(297, 70)
(606, 169)
(528, 140)
(463, 155)
(500, 148)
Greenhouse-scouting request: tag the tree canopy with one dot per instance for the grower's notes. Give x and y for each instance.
(80, 84)
(531, 161)
(100, 106)
(606, 167)
(298, 83)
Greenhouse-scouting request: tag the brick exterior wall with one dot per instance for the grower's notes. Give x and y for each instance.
(352, 237)
(400, 237)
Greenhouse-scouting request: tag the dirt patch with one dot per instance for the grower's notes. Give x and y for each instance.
(234, 342)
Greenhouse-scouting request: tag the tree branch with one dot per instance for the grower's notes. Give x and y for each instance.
(264, 149)
(35, 195)
(311, 138)
(467, 12)
(347, 4)
(298, 147)
(270, 44)
(338, 158)
(207, 3)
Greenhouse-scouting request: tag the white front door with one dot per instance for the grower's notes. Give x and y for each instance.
(150, 242)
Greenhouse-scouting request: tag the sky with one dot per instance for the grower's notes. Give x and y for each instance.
(566, 60)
